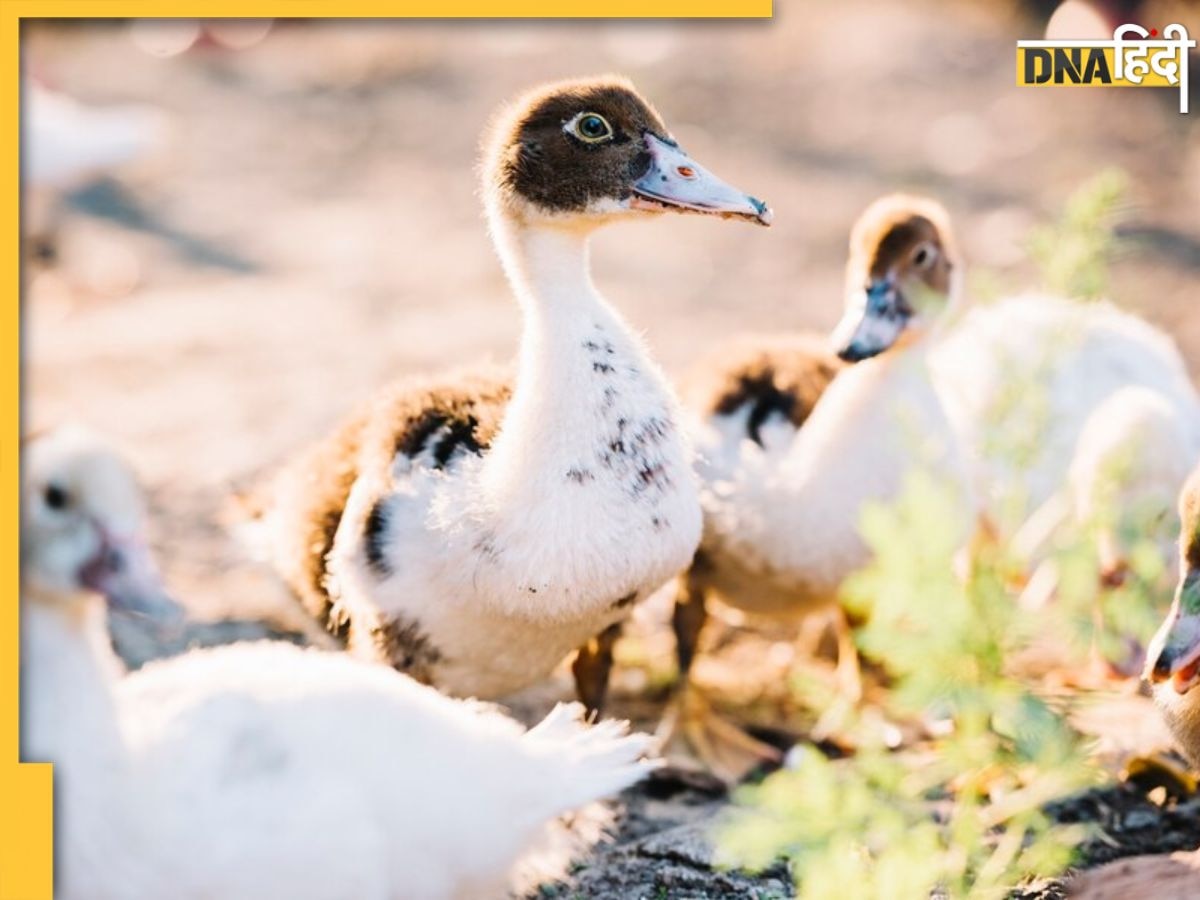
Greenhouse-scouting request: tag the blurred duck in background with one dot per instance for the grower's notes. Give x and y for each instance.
(792, 445)
(475, 530)
(1098, 395)
(67, 142)
(66, 146)
(1173, 664)
(262, 769)
(1173, 670)
(1072, 413)
(786, 471)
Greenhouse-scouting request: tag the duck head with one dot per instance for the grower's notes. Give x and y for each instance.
(1174, 654)
(580, 153)
(900, 277)
(81, 527)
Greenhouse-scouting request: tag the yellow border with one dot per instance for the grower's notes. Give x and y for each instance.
(26, 790)
(409, 9)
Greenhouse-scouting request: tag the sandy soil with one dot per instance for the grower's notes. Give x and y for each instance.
(312, 230)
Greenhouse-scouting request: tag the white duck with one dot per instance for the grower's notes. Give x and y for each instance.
(1081, 409)
(68, 141)
(474, 533)
(783, 499)
(1173, 670)
(261, 770)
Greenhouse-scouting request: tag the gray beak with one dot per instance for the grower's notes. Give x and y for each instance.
(124, 572)
(873, 323)
(1174, 653)
(675, 181)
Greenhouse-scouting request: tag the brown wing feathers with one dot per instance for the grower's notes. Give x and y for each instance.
(782, 376)
(438, 421)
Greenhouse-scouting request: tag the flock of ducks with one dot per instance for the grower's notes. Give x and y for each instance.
(471, 532)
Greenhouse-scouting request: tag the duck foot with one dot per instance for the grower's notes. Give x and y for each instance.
(849, 668)
(721, 747)
(1163, 769)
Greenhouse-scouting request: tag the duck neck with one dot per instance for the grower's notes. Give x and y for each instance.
(104, 828)
(886, 401)
(68, 673)
(580, 368)
(549, 270)
(898, 371)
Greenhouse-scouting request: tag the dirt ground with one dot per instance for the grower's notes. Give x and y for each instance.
(311, 230)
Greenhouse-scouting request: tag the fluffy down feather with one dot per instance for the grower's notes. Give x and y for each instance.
(268, 770)
(1094, 383)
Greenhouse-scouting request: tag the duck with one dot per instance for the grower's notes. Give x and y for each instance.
(70, 141)
(70, 144)
(790, 447)
(263, 768)
(925, 374)
(476, 529)
(1108, 419)
(1173, 660)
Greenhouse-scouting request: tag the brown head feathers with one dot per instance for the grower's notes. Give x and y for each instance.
(569, 145)
(901, 236)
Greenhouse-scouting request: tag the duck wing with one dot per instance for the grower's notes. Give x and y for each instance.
(431, 423)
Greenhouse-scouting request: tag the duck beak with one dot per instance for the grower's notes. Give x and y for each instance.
(1174, 653)
(675, 181)
(124, 572)
(873, 322)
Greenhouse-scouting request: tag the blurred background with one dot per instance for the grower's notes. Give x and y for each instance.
(236, 230)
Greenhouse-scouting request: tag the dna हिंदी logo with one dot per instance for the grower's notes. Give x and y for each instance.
(1143, 60)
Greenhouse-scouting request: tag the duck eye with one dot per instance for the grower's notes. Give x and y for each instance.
(56, 497)
(591, 127)
(924, 256)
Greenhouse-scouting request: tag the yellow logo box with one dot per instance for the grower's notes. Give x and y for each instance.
(1068, 66)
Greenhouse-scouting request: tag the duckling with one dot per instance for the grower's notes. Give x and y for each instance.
(1111, 412)
(261, 769)
(1173, 661)
(787, 461)
(474, 531)
(773, 496)
(1100, 394)
(928, 375)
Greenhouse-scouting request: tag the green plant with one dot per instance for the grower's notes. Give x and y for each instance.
(1131, 522)
(1074, 252)
(1124, 524)
(961, 810)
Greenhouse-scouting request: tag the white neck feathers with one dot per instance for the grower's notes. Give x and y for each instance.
(587, 490)
(548, 267)
(876, 421)
(576, 353)
(69, 670)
